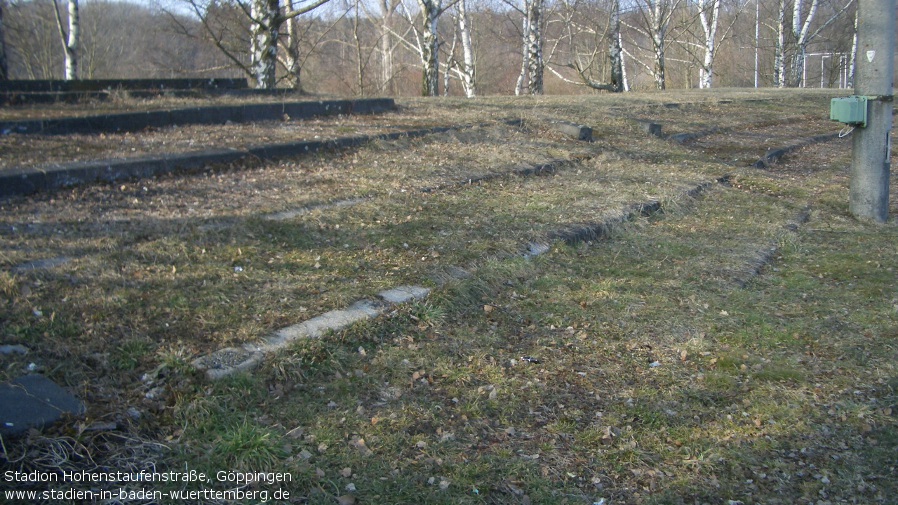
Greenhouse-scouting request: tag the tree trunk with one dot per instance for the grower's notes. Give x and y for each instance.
(450, 61)
(779, 57)
(623, 65)
(525, 58)
(387, 8)
(468, 73)
(658, 36)
(852, 62)
(801, 33)
(709, 16)
(360, 63)
(430, 78)
(71, 40)
(291, 57)
(4, 62)
(264, 28)
(535, 48)
(615, 51)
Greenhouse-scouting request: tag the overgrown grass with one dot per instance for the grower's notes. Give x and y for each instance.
(664, 365)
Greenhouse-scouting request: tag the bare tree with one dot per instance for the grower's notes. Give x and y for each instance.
(291, 58)
(465, 70)
(4, 61)
(387, 44)
(709, 14)
(532, 61)
(265, 19)
(852, 59)
(431, 10)
(655, 17)
(599, 54)
(427, 42)
(792, 41)
(72, 39)
(618, 81)
(702, 45)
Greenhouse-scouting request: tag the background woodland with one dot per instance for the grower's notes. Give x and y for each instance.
(437, 47)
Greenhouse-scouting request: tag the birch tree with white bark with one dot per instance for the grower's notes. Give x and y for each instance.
(793, 38)
(388, 44)
(427, 40)
(655, 17)
(532, 61)
(595, 47)
(709, 14)
(704, 35)
(465, 69)
(4, 60)
(266, 19)
(69, 36)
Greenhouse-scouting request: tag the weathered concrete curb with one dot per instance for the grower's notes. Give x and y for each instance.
(549, 167)
(42, 264)
(228, 361)
(135, 121)
(80, 85)
(682, 138)
(27, 181)
(765, 255)
(573, 130)
(774, 156)
(650, 128)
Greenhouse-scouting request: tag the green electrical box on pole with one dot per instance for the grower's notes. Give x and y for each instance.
(851, 110)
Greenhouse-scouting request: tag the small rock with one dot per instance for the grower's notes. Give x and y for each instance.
(13, 349)
(346, 499)
(154, 393)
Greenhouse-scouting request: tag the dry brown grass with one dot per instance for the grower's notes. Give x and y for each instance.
(752, 382)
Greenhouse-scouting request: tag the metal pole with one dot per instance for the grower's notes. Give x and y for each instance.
(869, 193)
(804, 71)
(757, 36)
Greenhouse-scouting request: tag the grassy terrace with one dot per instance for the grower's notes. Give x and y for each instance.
(707, 353)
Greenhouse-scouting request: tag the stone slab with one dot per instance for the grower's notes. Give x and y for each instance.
(228, 361)
(9, 349)
(536, 249)
(43, 264)
(650, 128)
(403, 294)
(777, 154)
(574, 130)
(34, 401)
(318, 326)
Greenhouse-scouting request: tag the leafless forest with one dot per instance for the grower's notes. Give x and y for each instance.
(436, 47)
